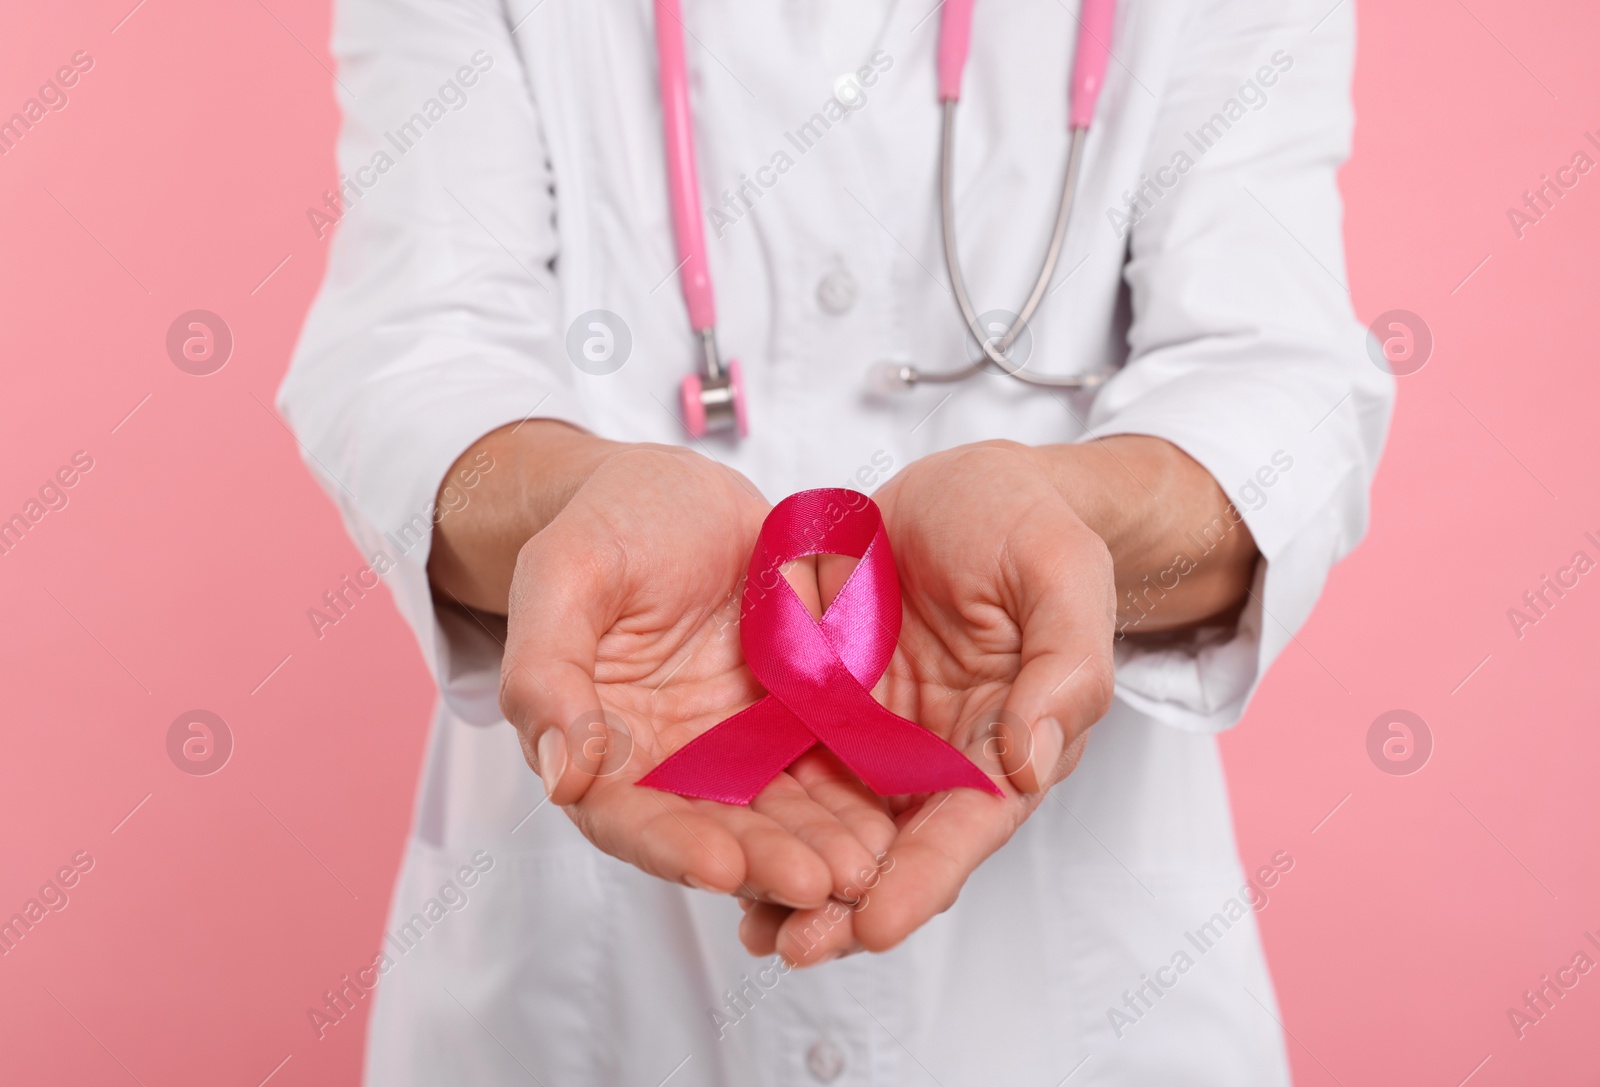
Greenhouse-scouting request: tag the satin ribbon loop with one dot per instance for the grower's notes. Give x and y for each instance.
(818, 674)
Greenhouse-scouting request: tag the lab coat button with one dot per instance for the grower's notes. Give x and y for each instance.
(836, 292)
(847, 90)
(824, 1061)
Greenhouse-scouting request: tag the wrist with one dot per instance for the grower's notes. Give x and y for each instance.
(538, 466)
(1113, 485)
(1181, 552)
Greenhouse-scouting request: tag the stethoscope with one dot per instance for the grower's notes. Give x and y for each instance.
(713, 396)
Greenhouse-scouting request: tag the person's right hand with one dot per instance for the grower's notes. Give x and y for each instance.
(624, 609)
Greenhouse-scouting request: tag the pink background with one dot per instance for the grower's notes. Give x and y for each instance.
(179, 575)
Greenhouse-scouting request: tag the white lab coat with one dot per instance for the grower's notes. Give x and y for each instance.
(537, 194)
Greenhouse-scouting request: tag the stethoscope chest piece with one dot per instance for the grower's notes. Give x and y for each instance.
(713, 396)
(713, 405)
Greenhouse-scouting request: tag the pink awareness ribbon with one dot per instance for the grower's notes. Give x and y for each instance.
(818, 674)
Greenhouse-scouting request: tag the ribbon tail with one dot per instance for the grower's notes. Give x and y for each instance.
(897, 757)
(734, 760)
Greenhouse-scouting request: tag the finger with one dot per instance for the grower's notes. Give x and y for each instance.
(758, 930)
(801, 574)
(939, 844)
(832, 571)
(811, 937)
(780, 866)
(786, 802)
(547, 706)
(831, 784)
(563, 596)
(1056, 704)
(715, 847)
(1065, 681)
(663, 835)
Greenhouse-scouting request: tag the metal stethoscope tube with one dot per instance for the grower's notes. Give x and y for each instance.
(994, 350)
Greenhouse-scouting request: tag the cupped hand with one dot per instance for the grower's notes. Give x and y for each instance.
(1005, 650)
(623, 645)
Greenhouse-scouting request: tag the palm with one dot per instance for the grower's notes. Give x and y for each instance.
(671, 665)
(635, 651)
(952, 668)
(1006, 618)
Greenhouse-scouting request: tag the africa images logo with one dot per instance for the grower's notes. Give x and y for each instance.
(52, 96)
(51, 496)
(1540, 200)
(449, 98)
(53, 897)
(453, 896)
(1140, 1000)
(1251, 97)
(199, 743)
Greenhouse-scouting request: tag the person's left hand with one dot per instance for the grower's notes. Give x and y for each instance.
(1005, 651)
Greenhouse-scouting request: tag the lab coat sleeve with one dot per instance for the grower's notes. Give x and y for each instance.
(1243, 347)
(438, 320)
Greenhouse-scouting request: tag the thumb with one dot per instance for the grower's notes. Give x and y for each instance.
(563, 598)
(1055, 704)
(1066, 679)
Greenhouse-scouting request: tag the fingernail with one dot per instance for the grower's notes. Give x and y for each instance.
(1048, 741)
(552, 758)
(785, 902)
(698, 885)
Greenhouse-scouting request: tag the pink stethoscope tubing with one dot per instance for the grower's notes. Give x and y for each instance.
(713, 396)
(1088, 64)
